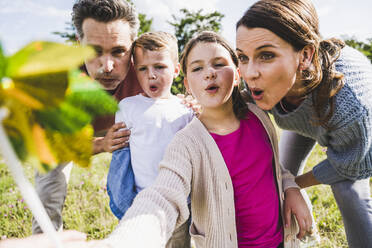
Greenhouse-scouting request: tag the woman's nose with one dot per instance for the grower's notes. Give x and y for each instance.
(250, 72)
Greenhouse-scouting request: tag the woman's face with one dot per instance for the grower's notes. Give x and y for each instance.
(211, 75)
(268, 64)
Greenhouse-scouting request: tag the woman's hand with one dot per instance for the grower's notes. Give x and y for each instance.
(294, 204)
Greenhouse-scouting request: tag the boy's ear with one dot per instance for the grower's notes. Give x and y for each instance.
(177, 69)
(237, 77)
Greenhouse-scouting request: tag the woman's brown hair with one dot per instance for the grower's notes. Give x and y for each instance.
(239, 104)
(296, 22)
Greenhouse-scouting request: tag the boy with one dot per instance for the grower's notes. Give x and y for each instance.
(153, 117)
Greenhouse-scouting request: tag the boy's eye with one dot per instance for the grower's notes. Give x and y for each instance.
(159, 67)
(141, 69)
(242, 58)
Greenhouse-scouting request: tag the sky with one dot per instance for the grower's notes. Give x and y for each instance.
(23, 21)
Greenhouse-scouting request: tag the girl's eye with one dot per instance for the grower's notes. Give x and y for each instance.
(219, 65)
(196, 69)
(142, 69)
(242, 58)
(267, 56)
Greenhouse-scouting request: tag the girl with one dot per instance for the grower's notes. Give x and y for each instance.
(318, 90)
(226, 161)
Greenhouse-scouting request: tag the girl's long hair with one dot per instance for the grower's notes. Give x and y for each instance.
(239, 104)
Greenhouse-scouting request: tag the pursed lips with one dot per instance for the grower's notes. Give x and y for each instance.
(212, 88)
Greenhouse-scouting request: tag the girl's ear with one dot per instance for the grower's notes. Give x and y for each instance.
(237, 77)
(186, 83)
(306, 56)
(177, 69)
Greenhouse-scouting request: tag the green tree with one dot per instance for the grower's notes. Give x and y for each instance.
(365, 48)
(185, 26)
(192, 22)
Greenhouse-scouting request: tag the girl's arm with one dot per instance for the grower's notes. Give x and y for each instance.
(293, 151)
(160, 208)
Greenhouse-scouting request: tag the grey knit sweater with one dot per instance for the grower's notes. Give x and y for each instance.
(349, 143)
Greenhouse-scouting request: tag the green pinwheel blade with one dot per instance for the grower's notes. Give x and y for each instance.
(65, 118)
(89, 96)
(42, 57)
(41, 69)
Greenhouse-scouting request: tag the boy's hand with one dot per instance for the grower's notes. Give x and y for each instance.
(190, 102)
(295, 204)
(113, 140)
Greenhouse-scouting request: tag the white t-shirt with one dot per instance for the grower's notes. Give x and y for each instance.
(153, 123)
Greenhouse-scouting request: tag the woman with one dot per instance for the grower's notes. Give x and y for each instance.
(319, 91)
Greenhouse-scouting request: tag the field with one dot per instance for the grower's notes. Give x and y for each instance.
(86, 207)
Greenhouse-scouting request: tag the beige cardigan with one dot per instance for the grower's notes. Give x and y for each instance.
(193, 165)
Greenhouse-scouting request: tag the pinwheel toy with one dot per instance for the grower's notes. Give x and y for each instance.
(46, 107)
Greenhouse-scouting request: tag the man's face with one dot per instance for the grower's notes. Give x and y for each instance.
(112, 44)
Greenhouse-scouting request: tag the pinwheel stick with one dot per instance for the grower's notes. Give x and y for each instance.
(27, 190)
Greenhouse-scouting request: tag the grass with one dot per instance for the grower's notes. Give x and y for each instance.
(87, 209)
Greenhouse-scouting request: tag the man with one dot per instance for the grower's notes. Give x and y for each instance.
(110, 26)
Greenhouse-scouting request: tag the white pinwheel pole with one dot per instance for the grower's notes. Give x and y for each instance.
(27, 190)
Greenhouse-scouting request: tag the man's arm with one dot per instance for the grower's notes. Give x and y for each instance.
(114, 139)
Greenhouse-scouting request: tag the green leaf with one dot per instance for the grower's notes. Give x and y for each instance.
(65, 119)
(41, 57)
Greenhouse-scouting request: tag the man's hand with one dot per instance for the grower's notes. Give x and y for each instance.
(294, 204)
(113, 140)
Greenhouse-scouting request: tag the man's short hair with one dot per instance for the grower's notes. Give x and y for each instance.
(157, 41)
(104, 11)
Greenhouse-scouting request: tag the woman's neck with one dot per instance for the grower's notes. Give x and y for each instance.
(220, 121)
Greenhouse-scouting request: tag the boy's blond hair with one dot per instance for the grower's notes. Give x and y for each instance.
(157, 41)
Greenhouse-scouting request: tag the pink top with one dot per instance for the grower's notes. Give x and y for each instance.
(248, 155)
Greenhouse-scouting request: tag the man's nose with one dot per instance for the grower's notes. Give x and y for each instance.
(107, 63)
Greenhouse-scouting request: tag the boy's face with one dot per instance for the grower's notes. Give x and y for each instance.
(155, 72)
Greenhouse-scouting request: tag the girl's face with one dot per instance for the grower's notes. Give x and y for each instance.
(210, 75)
(268, 64)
